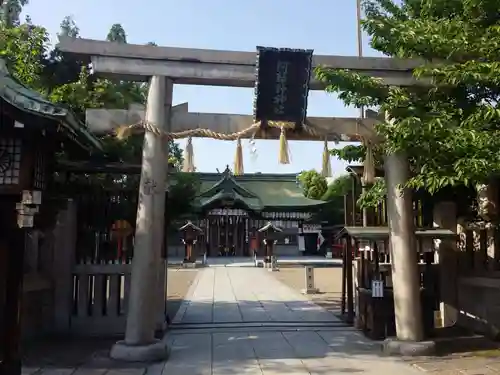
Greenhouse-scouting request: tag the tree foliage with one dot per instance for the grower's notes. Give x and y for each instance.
(339, 187)
(313, 184)
(448, 124)
(334, 212)
(67, 81)
(10, 10)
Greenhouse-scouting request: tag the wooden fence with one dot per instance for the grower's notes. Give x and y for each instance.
(100, 263)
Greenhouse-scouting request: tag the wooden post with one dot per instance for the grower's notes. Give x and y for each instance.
(445, 217)
(349, 281)
(62, 266)
(11, 338)
(344, 278)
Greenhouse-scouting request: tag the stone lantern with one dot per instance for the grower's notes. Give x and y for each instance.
(271, 234)
(191, 233)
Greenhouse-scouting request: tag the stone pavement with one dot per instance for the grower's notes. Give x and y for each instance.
(245, 321)
(469, 364)
(234, 295)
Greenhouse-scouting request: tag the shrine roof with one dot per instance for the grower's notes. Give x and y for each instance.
(29, 101)
(257, 191)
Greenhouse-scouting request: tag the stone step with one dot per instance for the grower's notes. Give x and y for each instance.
(252, 325)
(243, 329)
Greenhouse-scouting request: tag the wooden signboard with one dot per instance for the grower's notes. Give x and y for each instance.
(282, 84)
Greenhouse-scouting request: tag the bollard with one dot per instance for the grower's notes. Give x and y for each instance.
(205, 259)
(309, 280)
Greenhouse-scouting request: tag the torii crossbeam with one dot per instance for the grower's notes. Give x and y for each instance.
(189, 66)
(346, 129)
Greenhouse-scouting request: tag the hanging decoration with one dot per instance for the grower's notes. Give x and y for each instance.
(253, 149)
(125, 131)
(368, 164)
(326, 166)
(284, 155)
(189, 157)
(238, 159)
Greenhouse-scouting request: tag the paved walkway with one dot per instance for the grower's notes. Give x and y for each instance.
(234, 295)
(244, 321)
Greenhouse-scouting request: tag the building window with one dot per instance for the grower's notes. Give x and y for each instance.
(10, 161)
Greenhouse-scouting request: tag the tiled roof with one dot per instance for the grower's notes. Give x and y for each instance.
(257, 191)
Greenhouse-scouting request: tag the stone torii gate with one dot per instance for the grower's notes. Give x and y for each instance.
(164, 66)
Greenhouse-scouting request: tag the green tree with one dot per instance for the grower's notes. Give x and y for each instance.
(23, 48)
(10, 11)
(60, 68)
(88, 91)
(67, 81)
(334, 212)
(313, 184)
(449, 124)
(338, 188)
(117, 34)
(69, 28)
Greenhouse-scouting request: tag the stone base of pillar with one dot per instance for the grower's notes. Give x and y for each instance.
(189, 265)
(156, 351)
(160, 330)
(396, 347)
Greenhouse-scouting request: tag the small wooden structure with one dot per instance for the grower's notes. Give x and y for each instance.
(190, 233)
(367, 296)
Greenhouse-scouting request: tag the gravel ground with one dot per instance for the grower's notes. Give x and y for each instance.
(327, 280)
(179, 281)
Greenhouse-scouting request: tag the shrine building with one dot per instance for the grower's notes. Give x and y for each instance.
(231, 208)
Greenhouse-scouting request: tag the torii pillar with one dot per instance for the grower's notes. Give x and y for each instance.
(404, 262)
(140, 343)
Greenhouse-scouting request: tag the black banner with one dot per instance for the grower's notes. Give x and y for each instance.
(282, 84)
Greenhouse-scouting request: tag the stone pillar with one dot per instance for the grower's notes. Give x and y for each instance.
(405, 279)
(445, 216)
(140, 343)
(161, 321)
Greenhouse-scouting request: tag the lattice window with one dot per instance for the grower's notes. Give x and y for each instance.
(39, 171)
(10, 161)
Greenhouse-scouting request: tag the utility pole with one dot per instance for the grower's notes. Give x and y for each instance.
(367, 212)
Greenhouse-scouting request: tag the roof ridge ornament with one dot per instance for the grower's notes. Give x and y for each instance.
(227, 171)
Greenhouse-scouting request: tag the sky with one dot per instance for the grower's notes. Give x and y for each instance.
(326, 26)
